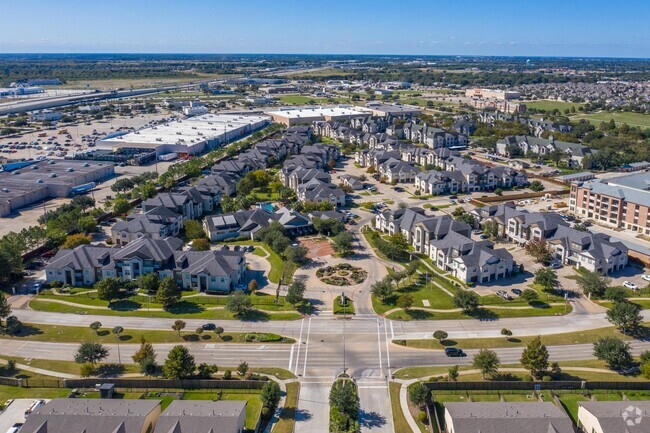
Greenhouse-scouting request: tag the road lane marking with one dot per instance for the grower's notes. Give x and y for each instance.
(387, 345)
(379, 342)
(293, 346)
(392, 331)
(304, 370)
(302, 322)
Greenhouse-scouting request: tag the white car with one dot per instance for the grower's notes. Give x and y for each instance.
(630, 285)
(646, 277)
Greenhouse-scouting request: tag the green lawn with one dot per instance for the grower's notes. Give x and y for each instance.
(579, 337)
(338, 307)
(11, 392)
(632, 119)
(287, 421)
(303, 100)
(400, 424)
(549, 105)
(277, 265)
(570, 403)
(76, 334)
(185, 310)
(484, 313)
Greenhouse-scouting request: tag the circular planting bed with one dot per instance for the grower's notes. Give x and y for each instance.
(342, 274)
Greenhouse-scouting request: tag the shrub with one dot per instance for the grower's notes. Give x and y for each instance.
(227, 374)
(87, 369)
(266, 412)
(422, 417)
(546, 378)
(528, 378)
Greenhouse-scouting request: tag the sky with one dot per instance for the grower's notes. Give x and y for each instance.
(581, 28)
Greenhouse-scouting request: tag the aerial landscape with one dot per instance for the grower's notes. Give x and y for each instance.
(336, 217)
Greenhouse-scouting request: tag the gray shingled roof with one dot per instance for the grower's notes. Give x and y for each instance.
(610, 415)
(201, 417)
(75, 415)
(493, 417)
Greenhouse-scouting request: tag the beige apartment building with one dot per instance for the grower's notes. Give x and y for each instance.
(618, 202)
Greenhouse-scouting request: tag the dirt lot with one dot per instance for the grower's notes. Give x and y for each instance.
(318, 247)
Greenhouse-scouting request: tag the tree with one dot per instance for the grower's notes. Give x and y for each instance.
(205, 370)
(253, 286)
(467, 301)
(626, 316)
(238, 303)
(117, 331)
(539, 250)
(218, 331)
(145, 351)
(75, 240)
(645, 369)
(405, 301)
(593, 283)
(5, 308)
(199, 331)
(382, 288)
(95, 326)
(270, 394)
(242, 368)
(535, 358)
(194, 229)
(546, 277)
(179, 363)
(491, 229)
(87, 224)
(178, 326)
(616, 294)
(296, 254)
(13, 326)
(168, 292)
(108, 289)
(296, 292)
(529, 295)
(487, 362)
(419, 394)
(396, 246)
(342, 243)
(614, 351)
(121, 206)
(148, 282)
(467, 218)
(506, 333)
(440, 335)
(201, 244)
(91, 353)
(536, 186)
(453, 373)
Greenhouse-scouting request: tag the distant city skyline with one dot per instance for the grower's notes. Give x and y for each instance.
(579, 28)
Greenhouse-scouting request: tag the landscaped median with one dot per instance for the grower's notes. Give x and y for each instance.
(74, 334)
(195, 306)
(577, 337)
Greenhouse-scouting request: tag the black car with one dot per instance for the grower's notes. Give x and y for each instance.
(516, 292)
(453, 352)
(209, 326)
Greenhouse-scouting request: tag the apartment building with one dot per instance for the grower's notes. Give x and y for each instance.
(617, 202)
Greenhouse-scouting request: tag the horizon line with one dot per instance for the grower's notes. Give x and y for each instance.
(537, 56)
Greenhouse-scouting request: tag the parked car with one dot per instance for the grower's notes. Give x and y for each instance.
(503, 294)
(516, 292)
(209, 326)
(453, 352)
(646, 277)
(483, 236)
(36, 287)
(630, 285)
(555, 265)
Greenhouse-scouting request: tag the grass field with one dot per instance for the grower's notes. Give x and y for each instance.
(73, 334)
(549, 105)
(400, 424)
(184, 311)
(302, 100)
(287, 420)
(632, 119)
(579, 337)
